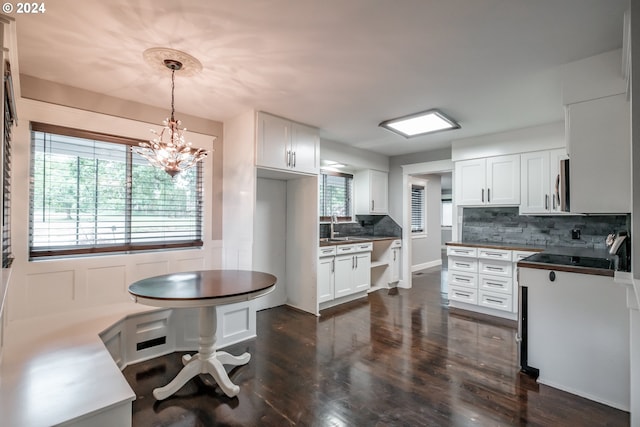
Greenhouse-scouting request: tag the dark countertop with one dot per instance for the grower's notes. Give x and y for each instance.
(602, 254)
(500, 245)
(356, 240)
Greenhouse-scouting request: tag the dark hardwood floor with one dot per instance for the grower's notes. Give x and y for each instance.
(398, 359)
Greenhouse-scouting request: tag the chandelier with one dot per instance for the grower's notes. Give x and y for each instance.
(169, 149)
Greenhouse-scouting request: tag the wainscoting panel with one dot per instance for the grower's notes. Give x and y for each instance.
(107, 285)
(150, 269)
(190, 264)
(53, 289)
(236, 322)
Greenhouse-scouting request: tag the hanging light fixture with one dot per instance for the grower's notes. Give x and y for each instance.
(169, 150)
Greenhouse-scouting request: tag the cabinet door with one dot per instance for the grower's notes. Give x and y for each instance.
(535, 173)
(362, 272)
(599, 145)
(503, 180)
(305, 142)
(470, 182)
(395, 265)
(378, 191)
(273, 147)
(343, 275)
(325, 279)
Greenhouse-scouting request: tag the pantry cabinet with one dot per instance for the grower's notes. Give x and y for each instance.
(539, 180)
(371, 192)
(488, 181)
(285, 145)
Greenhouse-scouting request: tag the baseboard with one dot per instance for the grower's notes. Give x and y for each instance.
(425, 265)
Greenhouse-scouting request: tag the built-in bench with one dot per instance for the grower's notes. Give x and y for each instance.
(65, 369)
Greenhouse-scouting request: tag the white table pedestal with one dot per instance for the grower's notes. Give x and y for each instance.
(206, 361)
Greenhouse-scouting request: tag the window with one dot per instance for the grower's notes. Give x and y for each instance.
(446, 213)
(335, 196)
(90, 194)
(417, 209)
(9, 109)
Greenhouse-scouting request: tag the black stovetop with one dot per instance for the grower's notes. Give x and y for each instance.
(576, 261)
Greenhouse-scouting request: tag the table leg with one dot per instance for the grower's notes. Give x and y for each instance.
(207, 360)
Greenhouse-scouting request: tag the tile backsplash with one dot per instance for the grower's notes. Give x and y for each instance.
(365, 225)
(505, 225)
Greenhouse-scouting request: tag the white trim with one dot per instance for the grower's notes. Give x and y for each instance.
(425, 265)
(407, 171)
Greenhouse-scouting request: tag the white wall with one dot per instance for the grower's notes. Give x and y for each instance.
(51, 286)
(635, 211)
(270, 234)
(425, 249)
(395, 176)
(352, 156)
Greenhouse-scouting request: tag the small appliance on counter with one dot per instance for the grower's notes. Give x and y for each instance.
(620, 245)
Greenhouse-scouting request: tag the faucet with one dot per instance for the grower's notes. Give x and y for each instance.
(334, 220)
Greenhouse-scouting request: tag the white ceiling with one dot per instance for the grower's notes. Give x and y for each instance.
(340, 65)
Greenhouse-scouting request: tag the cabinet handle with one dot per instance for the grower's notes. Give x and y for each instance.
(288, 158)
(462, 279)
(482, 197)
(460, 294)
(394, 255)
(333, 265)
(353, 262)
(494, 285)
(495, 301)
(553, 204)
(546, 202)
(493, 254)
(373, 205)
(294, 159)
(461, 264)
(488, 267)
(488, 195)
(356, 262)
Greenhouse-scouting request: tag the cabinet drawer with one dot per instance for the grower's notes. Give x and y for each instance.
(363, 247)
(499, 254)
(504, 285)
(470, 296)
(520, 255)
(496, 301)
(495, 268)
(466, 280)
(396, 243)
(345, 249)
(326, 251)
(462, 251)
(463, 264)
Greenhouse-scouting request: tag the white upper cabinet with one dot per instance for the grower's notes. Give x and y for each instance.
(540, 172)
(489, 181)
(599, 148)
(371, 192)
(286, 145)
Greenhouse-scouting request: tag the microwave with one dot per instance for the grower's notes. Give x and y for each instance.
(562, 190)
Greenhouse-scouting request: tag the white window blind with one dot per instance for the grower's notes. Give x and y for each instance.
(91, 196)
(9, 110)
(335, 195)
(417, 209)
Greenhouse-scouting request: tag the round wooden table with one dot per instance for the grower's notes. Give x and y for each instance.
(205, 290)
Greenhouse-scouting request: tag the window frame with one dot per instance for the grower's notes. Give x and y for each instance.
(126, 247)
(348, 205)
(423, 231)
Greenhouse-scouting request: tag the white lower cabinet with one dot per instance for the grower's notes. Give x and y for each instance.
(326, 270)
(482, 279)
(345, 272)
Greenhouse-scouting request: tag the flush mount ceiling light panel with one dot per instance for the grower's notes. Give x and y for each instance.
(420, 124)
